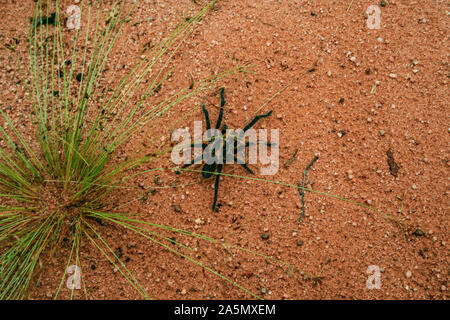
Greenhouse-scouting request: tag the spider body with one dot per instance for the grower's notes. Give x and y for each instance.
(219, 143)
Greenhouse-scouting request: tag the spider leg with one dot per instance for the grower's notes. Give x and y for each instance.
(216, 185)
(193, 162)
(256, 119)
(244, 165)
(219, 120)
(222, 97)
(205, 111)
(247, 144)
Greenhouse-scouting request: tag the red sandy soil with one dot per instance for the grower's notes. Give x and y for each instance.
(336, 112)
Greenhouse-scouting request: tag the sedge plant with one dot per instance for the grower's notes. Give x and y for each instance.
(52, 184)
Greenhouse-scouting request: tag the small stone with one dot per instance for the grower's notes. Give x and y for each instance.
(350, 174)
(426, 160)
(393, 75)
(329, 73)
(341, 100)
(383, 3)
(183, 292)
(177, 208)
(382, 132)
(380, 39)
(265, 236)
(418, 233)
(198, 221)
(408, 274)
(299, 243)
(414, 187)
(263, 290)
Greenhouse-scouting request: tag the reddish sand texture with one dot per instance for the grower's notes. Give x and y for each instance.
(372, 104)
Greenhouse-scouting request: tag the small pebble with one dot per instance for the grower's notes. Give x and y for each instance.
(382, 132)
(408, 274)
(393, 75)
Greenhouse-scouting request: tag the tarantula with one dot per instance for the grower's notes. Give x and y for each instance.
(221, 144)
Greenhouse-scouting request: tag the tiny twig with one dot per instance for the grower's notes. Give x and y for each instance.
(301, 189)
(350, 5)
(289, 161)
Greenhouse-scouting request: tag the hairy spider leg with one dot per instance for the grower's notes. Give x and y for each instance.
(222, 97)
(197, 144)
(208, 169)
(247, 144)
(256, 119)
(192, 162)
(216, 185)
(244, 165)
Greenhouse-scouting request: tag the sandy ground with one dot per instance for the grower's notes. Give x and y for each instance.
(371, 104)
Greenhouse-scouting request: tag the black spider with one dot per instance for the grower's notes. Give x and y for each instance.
(216, 167)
